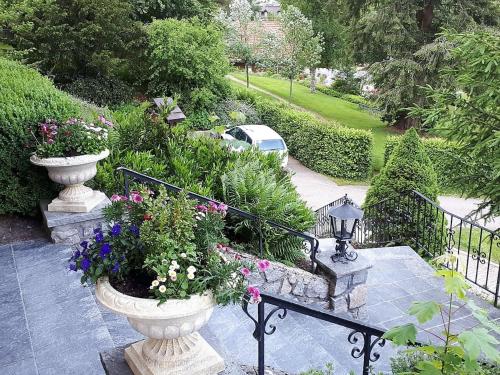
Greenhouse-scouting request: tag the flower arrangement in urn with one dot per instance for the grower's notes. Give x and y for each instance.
(70, 152)
(162, 264)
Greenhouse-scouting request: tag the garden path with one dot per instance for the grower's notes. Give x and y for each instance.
(49, 324)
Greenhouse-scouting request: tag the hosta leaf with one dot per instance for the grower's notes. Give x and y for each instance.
(424, 311)
(402, 335)
(477, 341)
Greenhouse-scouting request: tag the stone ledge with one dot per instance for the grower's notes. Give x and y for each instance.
(338, 270)
(54, 219)
(113, 362)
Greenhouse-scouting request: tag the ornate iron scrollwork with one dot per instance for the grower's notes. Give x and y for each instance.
(479, 255)
(357, 352)
(244, 305)
(272, 327)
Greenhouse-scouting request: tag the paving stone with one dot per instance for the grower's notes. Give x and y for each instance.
(26, 366)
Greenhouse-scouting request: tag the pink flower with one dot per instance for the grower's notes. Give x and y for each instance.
(254, 293)
(212, 207)
(115, 198)
(123, 198)
(245, 272)
(263, 265)
(201, 208)
(50, 141)
(136, 198)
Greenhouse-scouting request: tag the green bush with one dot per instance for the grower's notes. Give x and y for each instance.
(324, 147)
(26, 98)
(252, 187)
(187, 58)
(102, 91)
(446, 160)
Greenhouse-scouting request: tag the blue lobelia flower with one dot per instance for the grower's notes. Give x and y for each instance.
(116, 230)
(134, 229)
(72, 266)
(97, 230)
(86, 263)
(105, 250)
(116, 267)
(99, 237)
(84, 245)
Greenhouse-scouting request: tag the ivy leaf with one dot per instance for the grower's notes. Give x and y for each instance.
(424, 311)
(402, 335)
(479, 340)
(454, 283)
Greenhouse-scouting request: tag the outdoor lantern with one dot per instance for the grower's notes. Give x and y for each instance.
(175, 116)
(344, 219)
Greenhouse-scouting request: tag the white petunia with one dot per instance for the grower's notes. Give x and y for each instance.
(191, 269)
(183, 255)
(155, 283)
(172, 273)
(190, 276)
(163, 279)
(162, 289)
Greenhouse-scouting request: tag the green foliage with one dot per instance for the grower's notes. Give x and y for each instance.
(148, 10)
(458, 353)
(324, 147)
(446, 158)
(329, 370)
(102, 91)
(348, 84)
(187, 58)
(251, 187)
(70, 39)
(467, 112)
(26, 98)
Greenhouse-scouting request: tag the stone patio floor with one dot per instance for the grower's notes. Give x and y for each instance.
(49, 324)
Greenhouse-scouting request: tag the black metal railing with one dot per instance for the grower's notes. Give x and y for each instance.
(323, 227)
(310, 240)
(415, 220)
(370, 336)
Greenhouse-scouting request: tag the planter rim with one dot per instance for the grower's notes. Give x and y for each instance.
(69, 160)
(145, 308)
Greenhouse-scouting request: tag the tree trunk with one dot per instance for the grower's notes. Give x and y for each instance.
(248, 78)
(313, 80)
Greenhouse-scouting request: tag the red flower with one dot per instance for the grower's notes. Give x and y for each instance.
(148, 217)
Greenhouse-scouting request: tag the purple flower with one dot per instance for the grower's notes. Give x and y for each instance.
(72, 266)
(134, 229)
(99, 237)
(84, 245)
(97, 230)
(105, 250)
(116, 267)
(76, 255)
(223, 208)
(201, 208)
(86, 263)
(116, 230)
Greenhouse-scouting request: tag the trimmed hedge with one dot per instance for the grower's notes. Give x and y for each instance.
(324, 147)
(445, 159)
(26, 98)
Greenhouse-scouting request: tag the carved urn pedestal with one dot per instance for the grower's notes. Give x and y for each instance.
(173, 345)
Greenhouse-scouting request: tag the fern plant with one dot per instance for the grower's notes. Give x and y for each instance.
(253, 188)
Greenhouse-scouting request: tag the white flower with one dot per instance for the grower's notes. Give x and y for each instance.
(172, 273)
(174, 263)
(164, 261)
(163, 279)
(162, 289)
(191, 269)
(173, 278)
(183, 255)
(155, 283)
(190, 276)
(171, 267)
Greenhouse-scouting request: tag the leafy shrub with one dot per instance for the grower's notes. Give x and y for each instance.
(445, 158)
(26, 98)
(324, 147)
(103, 91)
(347, 85)
(187, 58)
(253, 188)
(409, 168)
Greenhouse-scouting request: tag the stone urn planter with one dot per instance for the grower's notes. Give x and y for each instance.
(73, 172)
(173, 345)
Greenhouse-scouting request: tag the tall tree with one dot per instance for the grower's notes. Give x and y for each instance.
(400, 39)
(241, 27)
(148, 10)
(329, 18)
(294, 48)
(469, 111)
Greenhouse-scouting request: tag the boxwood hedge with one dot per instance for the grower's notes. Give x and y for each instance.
(26, 98)
(445, 159)
(325, 147)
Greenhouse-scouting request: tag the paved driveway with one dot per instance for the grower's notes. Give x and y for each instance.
(319, 190)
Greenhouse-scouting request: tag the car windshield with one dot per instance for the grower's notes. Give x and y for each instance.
(271, 144)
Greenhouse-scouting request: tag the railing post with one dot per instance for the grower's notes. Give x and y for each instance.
(366, 351)
(262, 334)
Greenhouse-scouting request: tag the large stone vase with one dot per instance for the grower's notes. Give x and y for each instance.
(173, 345)
(73, 172)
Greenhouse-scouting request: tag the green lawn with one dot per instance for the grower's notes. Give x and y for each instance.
(341, 111)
